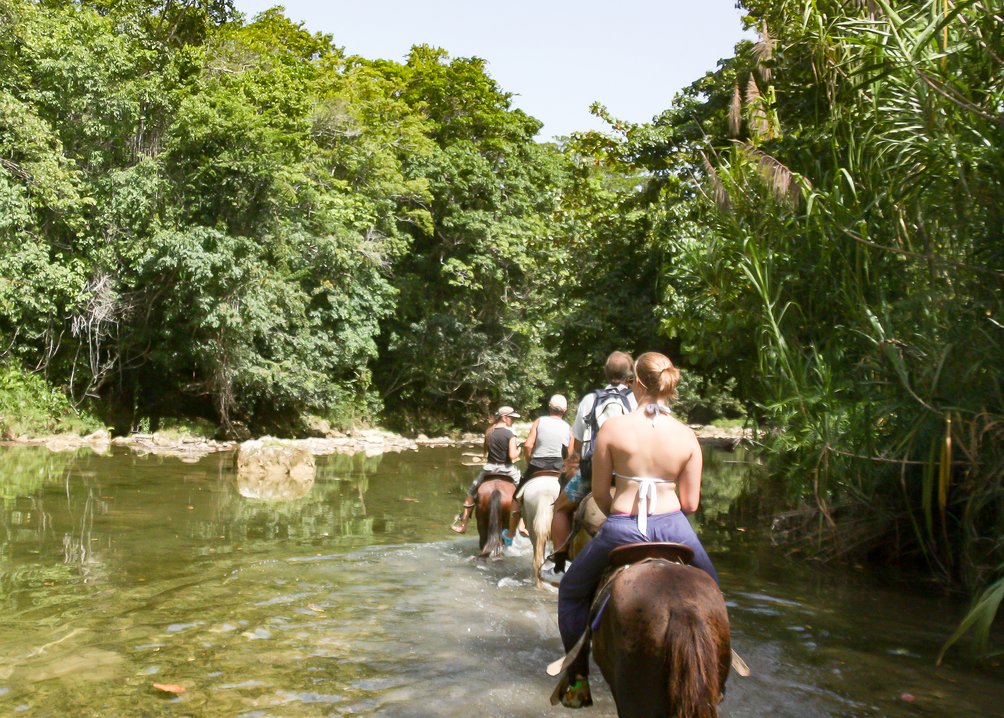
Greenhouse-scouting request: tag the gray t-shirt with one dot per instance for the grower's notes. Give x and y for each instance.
(552, 435)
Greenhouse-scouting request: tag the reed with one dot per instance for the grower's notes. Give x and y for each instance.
(869, 245)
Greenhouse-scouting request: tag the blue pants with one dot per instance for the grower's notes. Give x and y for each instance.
(575, 592)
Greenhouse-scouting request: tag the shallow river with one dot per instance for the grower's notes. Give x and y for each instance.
(121, 572)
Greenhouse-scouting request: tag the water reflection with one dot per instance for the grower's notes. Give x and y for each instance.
(120, 572)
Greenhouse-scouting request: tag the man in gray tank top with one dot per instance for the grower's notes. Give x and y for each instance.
(550, 439)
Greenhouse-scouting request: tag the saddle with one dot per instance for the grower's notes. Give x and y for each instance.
(499, 477)
(635, 552)
(541, 473)
(535, 475)
(622, 558)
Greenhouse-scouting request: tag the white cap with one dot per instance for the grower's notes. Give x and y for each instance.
(507, 411)
(558, 402)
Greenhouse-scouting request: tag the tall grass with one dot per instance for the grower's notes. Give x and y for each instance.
(871, 245)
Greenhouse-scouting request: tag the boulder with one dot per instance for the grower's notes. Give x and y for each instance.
(274, 470)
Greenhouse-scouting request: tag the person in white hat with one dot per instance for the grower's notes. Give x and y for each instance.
(501, 451)
(550, 439)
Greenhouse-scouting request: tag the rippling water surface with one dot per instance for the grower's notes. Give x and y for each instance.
(121, 572)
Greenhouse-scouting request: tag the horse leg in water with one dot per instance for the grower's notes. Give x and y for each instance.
(663, 643)
(539, 496)
(494, 504)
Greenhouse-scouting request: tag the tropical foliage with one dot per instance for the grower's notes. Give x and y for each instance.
(845, 264)
(209, 217)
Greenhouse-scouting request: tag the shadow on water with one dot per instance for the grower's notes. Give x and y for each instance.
(119, 572)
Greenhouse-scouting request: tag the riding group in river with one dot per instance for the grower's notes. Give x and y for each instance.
(635, 584)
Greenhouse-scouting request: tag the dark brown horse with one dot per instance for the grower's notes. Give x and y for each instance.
(663, 644)
(663, 641)
(494, 503)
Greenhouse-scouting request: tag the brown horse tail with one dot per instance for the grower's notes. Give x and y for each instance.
(692, 667)
(493, 543)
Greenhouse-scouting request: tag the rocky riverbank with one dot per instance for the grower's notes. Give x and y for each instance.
(192, 448)
(360, 441)
(722, 438)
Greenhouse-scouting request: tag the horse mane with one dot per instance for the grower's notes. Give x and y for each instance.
(692, 660)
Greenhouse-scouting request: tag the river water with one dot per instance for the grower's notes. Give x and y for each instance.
(124, 571)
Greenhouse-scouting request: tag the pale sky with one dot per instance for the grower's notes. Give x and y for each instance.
(556, 56)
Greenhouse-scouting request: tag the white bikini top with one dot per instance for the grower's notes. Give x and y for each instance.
(646, 484)
(646, 496)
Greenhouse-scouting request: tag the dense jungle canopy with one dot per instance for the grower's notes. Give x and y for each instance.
(210, 217)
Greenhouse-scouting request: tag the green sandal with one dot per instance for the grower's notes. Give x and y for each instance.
(577, 695)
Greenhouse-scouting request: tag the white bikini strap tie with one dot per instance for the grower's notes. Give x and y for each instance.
(646, 502)
(653, 411)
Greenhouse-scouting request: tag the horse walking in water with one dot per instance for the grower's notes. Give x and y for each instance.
(663, 642)
(660, 635)
(538, 494)
(493, 504)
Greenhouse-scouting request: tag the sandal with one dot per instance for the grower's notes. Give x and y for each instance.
(459, 524)
(577, 694)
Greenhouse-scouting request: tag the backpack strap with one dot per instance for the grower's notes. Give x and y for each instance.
(591, 422)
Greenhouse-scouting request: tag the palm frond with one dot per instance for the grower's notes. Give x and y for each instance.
(735, 113)
(763, 51)
(780, 180)
(718, 190)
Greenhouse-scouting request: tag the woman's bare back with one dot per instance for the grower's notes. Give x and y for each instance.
(649, 444)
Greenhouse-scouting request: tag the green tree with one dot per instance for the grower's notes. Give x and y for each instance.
(467, 331)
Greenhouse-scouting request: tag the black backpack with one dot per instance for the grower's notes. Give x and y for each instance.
(603, 398)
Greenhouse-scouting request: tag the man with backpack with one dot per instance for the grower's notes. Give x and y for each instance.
(594, 408)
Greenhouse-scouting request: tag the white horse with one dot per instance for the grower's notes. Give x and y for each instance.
(537, 497)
